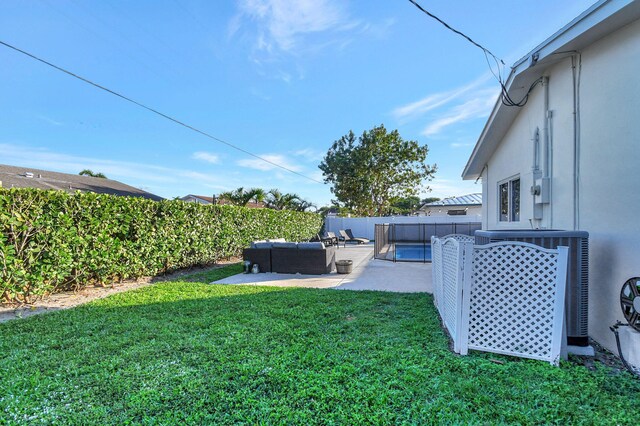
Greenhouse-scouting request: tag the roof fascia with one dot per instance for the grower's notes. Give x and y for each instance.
(602, 18)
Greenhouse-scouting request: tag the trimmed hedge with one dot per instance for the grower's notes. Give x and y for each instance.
(54, 241)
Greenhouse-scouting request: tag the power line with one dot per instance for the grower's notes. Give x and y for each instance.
(504, 96)
(168, 117)
(449, 27)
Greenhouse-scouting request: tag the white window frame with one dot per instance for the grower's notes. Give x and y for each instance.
(512, 214)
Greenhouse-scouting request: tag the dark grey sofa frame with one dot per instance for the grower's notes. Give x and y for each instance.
(292, 260)
(260, 256)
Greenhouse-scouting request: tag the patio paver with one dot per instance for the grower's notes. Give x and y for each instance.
(367, 274)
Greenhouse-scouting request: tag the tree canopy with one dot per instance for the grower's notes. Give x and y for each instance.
(405, 205)
(279, 201)
(369, 172)
(274, 199)
(242, 197)
(88, 172)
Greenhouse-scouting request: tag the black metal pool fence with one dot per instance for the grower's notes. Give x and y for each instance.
(389, 235)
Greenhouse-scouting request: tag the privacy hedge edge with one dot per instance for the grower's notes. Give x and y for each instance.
(53, 241)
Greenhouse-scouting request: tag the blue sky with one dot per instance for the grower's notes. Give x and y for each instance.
(281, 79)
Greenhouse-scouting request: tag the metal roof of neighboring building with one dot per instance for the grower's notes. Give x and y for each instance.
(27, 177)
(463, 200)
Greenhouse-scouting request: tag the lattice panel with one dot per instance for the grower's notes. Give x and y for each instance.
(436, 271)
(461, 238)
(451, 286)
(515, 303)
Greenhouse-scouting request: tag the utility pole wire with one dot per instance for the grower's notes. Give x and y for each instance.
(505, 98)
(106, 89)
(449, 27)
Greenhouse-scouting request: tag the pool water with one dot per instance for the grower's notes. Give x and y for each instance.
(413, 252)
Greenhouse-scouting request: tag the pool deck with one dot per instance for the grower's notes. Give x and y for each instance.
(367, 274)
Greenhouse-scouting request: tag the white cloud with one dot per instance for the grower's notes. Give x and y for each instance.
(310, 154)
(478, 107)
(50, 120)
(436, 100)
(164, 181)
(206, 156)
(132, 173)
(258, 164)
(460, 144)
(282, 23)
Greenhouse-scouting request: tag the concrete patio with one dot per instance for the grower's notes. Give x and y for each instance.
(367, 274)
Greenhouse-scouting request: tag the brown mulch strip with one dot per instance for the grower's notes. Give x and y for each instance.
(69, 299)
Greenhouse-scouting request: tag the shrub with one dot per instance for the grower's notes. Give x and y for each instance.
(54, 241)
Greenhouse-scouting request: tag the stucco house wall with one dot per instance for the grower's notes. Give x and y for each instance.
(599, 192)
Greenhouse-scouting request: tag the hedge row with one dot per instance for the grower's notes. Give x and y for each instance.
(54, 241)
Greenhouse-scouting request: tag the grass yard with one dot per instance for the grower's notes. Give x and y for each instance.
(188, 352)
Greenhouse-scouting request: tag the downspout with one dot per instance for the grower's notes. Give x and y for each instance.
(485, 217)
(536, 174)
(576, 68)
(548, 148)
(485, 195)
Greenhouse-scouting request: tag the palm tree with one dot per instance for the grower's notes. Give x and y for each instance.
(88, 172)
(275, 200)
(278, 201)
(304, 205)
(258, 195)
(242, 197)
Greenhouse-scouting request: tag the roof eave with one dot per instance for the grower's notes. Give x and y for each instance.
(599, 20)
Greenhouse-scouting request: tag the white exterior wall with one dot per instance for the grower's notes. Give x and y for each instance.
(609, 173)
(607, 204)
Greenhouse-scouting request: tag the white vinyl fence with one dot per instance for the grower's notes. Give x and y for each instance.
(505, 297)
(364, 226)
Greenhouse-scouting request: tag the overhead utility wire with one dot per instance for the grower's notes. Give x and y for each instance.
(449, 27)
(168, 117)
(505, 97)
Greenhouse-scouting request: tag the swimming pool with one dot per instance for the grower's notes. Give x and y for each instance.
(413, 252)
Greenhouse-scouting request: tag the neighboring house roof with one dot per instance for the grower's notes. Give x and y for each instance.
(462, 201)
(211, 200)
(26, 177)
(250, 204)
(203, 198)
(601, 19)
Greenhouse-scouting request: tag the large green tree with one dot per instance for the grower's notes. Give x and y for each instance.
(405, 205)
(369, 172)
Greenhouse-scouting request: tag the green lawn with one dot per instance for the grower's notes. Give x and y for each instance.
(188, 352)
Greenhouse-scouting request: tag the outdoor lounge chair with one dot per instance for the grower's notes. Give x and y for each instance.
(347, 235)
(327, 240)
(330, 239)
(350, 234)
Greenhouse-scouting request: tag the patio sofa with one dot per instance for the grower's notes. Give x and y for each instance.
(291, 258)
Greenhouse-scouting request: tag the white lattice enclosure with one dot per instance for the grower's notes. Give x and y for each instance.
(448, 256)
(436, 271)
(452, 276)
(436, 262)
(513, 302)
(461, 238)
